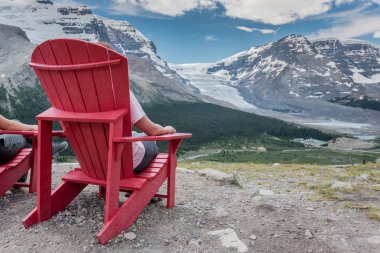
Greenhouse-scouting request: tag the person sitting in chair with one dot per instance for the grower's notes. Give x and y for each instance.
(143, 151)
(11, 144)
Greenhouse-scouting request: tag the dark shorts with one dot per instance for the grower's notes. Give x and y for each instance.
(10, 145)
(150, 153)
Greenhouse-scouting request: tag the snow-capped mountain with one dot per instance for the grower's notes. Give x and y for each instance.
(43, 19)
(284, 74)
(296, 78)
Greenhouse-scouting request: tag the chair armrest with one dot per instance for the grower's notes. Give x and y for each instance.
(54, 114)
(23, 133)
(31, 133)
(165, 137)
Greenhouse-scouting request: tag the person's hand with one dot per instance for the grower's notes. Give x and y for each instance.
(169, 130)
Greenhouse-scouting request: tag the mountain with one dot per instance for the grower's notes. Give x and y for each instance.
(296, 79)
(151, 78)
(285, 73)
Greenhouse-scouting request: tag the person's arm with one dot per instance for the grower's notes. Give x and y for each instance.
(6, 124)
(151, 128)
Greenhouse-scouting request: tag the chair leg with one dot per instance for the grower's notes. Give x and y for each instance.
(102, 192)
(131, 209)
(60, 198)
(33, 170)
(172, 163)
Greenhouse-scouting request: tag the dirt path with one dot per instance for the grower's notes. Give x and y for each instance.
(207, 218)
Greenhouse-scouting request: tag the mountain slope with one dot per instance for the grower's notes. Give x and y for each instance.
(299, 80)
(294, 68)
(43, 19)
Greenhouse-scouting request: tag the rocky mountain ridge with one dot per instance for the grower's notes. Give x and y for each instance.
(298, 80)
(295, 68)
(151, 78)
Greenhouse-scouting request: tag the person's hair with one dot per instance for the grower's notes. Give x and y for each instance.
(105, 44)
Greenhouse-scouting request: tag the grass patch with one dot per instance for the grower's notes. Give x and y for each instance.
(364, 179)
(236, 178)
(325, 191)
(294, 156)
(371, 211)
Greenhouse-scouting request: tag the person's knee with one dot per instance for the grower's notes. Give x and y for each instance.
(10, 145)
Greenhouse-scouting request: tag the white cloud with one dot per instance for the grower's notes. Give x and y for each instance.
(274, 12)
(210, 38)
(163, 7)
(377, 35)
(14, 2)
(244, 28)
(352, 26)
(267, 11)
(251, 29)
(340, 2)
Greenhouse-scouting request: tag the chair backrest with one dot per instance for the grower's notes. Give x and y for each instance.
(85, 77)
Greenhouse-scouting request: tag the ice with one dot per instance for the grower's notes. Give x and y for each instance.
(215, 86)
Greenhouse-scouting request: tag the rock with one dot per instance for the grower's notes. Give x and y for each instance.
(261, 149)
(130, 236)
(341, 185)
(363, 177)
(377, 160)
(229, 239)
(184, 170)
(374, 239)
(253, 237)
(308, 234)
(264, 192)
(219, 212)
(276, 164)
(216, 175)
(309, 208)
(195, 242)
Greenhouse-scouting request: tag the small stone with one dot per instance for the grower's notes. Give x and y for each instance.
(130, 236)
(264, 192)
(194, 242)
(308, 234)
(363, 177)
(253, 237)
(374, 239)
(184, 170)
(166, 242)
(309, 208)
(216, 175)
(341, 185)
(252, 243)
(330, 219)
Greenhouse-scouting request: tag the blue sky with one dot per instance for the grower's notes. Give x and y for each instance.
(186, 31)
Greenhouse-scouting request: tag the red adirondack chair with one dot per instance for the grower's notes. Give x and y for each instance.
(18, 166)
(88, 87)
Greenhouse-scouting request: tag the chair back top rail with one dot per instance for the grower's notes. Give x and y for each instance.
(74, 66)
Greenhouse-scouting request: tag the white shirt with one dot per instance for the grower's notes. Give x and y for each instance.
(138, 149)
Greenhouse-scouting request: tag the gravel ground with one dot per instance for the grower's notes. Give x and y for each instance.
(210, 216)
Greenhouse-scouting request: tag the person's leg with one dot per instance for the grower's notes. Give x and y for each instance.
(10, 145)
(150, 153)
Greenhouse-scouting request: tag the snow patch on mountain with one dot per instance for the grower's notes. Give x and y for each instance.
(216, 86)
